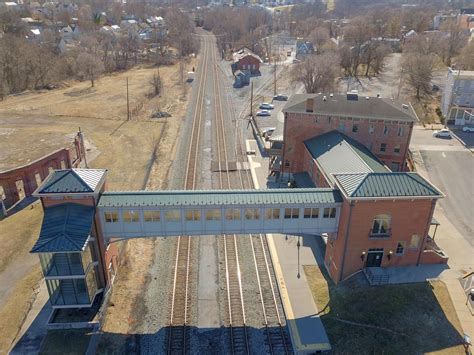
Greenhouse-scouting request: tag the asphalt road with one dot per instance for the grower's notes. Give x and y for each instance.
(451, 168)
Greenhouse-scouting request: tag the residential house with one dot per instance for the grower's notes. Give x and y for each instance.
(458, 97)
(304, 48)
(246, 60)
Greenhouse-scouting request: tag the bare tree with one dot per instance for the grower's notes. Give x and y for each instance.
(155, 82)
(466, 57)
(451, 45)
(317, 73)
(89, 67)
(319, 36)
(419, 71)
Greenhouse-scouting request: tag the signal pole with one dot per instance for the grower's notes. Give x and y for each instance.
(128, 104)
(251, 99)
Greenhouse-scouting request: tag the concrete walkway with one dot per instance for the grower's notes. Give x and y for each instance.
(306, 328)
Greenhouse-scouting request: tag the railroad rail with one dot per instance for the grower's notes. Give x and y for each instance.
(178, 328)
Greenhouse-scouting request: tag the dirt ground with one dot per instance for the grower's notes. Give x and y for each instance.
(136, 153)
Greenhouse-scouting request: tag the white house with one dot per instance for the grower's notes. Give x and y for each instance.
(458, 99)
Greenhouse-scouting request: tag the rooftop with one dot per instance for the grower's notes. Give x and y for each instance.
(65, 228)
(340, 105)
(72, 181)
(383, 185)
(337, 153)
(243, 52)
(218, 197)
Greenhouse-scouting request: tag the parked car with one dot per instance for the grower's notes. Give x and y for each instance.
(468, 129)
(267, 132)
(263, 113)
(280, 97)
(266, 106)
(442, 133)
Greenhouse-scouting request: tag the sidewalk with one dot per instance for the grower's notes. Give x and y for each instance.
(306, 328)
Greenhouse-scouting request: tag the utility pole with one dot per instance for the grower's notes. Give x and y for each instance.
(274, 79)
(128, 104)
(251, 99)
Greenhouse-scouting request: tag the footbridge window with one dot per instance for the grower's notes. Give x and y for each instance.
(311, 213)
(131, 216)
(193, 215)
(151, 216)
(173, 216)
(272, 213)
(232, 214)
(252, 213)
(329, 212)
(213, 215)
(292, 213)
(111, 217)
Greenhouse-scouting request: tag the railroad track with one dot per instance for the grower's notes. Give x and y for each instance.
(178, 338)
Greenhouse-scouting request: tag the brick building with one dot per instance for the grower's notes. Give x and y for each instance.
(384, 126)
(246, 61)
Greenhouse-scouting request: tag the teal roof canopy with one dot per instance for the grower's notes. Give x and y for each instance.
(218, 198)
(337, 153)
(72, 181)
(405, 184)
(65, 228)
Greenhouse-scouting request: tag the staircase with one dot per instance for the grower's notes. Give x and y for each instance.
(376, 276)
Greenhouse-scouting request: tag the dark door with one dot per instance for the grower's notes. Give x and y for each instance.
(374, 259)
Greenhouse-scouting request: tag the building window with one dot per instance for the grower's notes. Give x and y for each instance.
(381, 225)
(385, 130)
(415, 241)
(371, 129)
(130, 216)
(292, 213)
(173, 215)
(395, 166)
(232, 214)
(213, 215)
(252, 213)
(355, 127)
(272, 213)
(287, 163)
(396, 149)
(193, 215)
(311, 212)
(316, 119)
(342, 126)
(400, 131)
(400, 248)
(383, 147)
(151, 216)
(111, 217)
(329, 212)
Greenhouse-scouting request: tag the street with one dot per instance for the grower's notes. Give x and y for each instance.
(451, 168)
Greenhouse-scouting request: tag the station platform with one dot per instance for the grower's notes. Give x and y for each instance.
(306, 329)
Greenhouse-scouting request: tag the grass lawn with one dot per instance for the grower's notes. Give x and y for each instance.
(417, 318)
(70, 341)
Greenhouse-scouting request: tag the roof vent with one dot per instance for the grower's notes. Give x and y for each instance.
(309, 105)
(405, 106)
(352, 96)
(324, 98)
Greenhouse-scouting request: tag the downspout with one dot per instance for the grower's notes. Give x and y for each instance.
(346, 240)
(283, 147)
(425, 235)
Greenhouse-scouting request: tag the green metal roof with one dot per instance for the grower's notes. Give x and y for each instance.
(65, 228)
(72, 181)
(386, 185)
(337, 153)
(219, 197)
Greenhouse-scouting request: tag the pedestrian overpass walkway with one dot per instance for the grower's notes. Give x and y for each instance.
(170, 213)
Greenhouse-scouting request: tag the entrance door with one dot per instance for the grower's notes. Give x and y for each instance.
(374, 258)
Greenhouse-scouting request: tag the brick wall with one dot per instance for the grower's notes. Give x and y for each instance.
(22, 181)
(302, 126)
(408, 217)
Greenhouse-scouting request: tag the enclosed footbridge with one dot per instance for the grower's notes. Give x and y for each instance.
(169, 213)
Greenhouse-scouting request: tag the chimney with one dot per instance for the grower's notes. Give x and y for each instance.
(309, 105)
